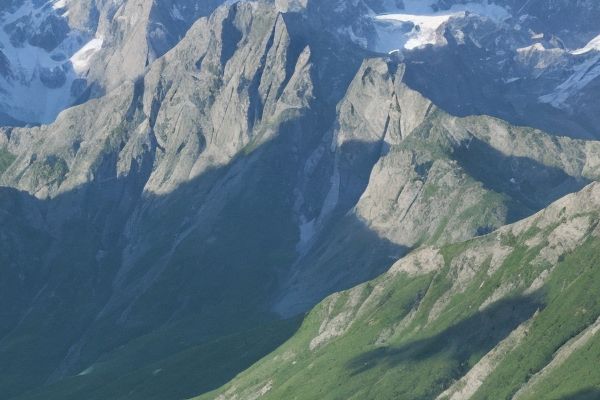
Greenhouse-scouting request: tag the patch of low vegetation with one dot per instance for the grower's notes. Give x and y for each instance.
(51, 170)
(6, 159)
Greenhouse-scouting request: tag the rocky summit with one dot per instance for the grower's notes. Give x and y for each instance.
(299, 199)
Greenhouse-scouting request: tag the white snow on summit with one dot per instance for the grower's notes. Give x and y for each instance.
(36, 83)
(176, 13)
(418, 25)
(583, 75)
(594, 44)
(58, 4)
(393, 34)
(81, 60)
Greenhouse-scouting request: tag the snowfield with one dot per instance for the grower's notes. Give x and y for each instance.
(396, 32)
(37, 85)
(82, 59)
(593, 45)
(418, 25)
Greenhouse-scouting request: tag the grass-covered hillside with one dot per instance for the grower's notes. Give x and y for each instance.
(6, 158)
(511, 315)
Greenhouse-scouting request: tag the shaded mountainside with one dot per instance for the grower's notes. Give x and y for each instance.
(161, 238)
(507, 315)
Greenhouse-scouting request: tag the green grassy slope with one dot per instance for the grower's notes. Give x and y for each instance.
(6, 158)
(186, 371)
(485, 319)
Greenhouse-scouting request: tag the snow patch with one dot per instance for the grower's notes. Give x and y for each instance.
(398, 33)
(418, 25)
(307, 232)
(57, 5)
(36, 85)
(583, 74)
(593, 45)
(176, 13)
(81, 60)
(87, 371)
(529, 49)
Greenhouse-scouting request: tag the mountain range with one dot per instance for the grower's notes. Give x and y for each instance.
(302, 199)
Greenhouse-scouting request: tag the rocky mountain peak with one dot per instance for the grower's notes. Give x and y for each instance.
(71, 50)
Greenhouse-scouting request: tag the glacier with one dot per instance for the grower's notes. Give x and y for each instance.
(418, 24)
(39, 80)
